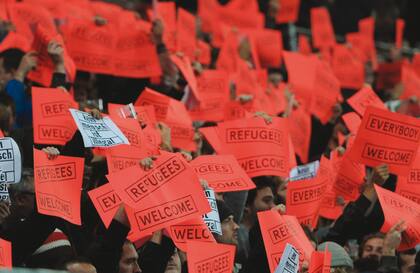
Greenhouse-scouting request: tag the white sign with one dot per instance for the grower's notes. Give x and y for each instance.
(212, 218)
(289, 262)
(10, 161)
(98, 132)
(4, 193)
(304, 171)
(128, 111)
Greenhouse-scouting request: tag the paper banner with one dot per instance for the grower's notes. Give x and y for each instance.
(98, 132)
(191, 230)
(397, 208)
(386, 137)
(289, 262)
(5, 254)
(10, 161)
(278, 230)
(215, 258)
(58, 185)
(167, 194)
(363, 98)
(212, 218)
(260, 148)
(53, 123)
(222, 172)
(106, 202)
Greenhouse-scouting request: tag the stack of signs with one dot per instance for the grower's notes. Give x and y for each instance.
(10, 165)
(212, 218)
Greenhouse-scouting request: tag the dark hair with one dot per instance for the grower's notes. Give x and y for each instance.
(309, 233)
(11, 58)
(367, 238)
(5, 102)
(260, 183)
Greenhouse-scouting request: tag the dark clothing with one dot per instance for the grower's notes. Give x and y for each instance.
(153, 258)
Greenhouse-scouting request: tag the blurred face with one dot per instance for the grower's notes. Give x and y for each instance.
(6, 118)
(264, 200)
(128, 262)
(5, 76)
(407, 263)
(373, 248)
(174, 264)
(229, 232)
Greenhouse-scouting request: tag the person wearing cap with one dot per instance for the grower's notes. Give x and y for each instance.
(340, 259)
(229, 226)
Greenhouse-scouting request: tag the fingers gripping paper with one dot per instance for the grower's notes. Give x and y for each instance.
(58, 186)
(260, 148)
(386, 137)
(395, 208)
(98, 132)
(10, 161)
(278, 230)
(222, 172)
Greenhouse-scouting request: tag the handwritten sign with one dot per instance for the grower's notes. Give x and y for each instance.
(289, 261)
(58, 185)
(98, 132)
(212, 218)
(386, 137)
(10, 161)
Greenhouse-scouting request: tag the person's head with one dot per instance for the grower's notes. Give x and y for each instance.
(262, 197)
(128, 261)
(174, 263)
(79, 265)
(229, 227)
(9, 63)
(340, 259)
(406, 260)
(22, 195)
(370, 252)
(7, 116)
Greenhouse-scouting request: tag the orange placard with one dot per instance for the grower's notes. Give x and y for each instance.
(347, 68)
(216, 258)
(304, 197)
(329, 207)
(321, 28)
(304, 45)
(145, 114)
(409, 186)
(1, 134)
(269, 47)
(213, 86)
(288, 11)
(389, 75)
(132, 131)
(411, 82)
(15, 40)
(399, 32)
(106, 202)
(191, 230)
(204, 55)
(352, 122)
(260, 148)
(123, 156)
(58, 185)
(5, 254)
(167, 13)
(53, 123)
(186, 40)
(222, 172)
(363, 98)
(320, 262)
(167, 194)
(128, 62)
(396, 208)
(386, 137)
(278, 230)
(300, 128)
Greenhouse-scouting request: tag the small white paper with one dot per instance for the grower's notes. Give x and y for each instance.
(212, 219)
(4, 193)
(10, 161)
(98, 132)
(289, 262)
(128, 111)
(306, 171)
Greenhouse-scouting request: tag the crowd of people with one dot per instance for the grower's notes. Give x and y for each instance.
(164, 53)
